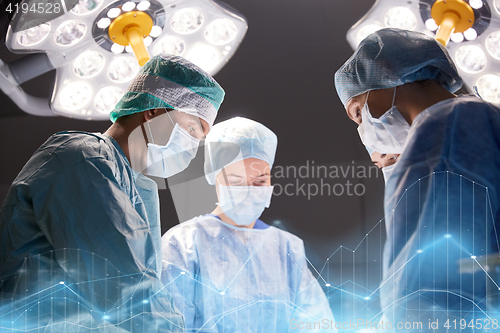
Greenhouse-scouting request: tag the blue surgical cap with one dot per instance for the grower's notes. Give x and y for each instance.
(172, 82)
(234, 140)
(392, 57)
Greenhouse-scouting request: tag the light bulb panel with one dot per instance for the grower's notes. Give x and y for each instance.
(92, 74)
(475, 53)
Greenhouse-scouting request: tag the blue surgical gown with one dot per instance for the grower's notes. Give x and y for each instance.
(442, 207)
(80, 243)
(231, 279)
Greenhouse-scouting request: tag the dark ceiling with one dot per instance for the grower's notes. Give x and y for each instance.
(282, 76)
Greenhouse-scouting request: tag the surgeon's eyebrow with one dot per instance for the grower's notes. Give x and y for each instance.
(234, 175)
(264, 174)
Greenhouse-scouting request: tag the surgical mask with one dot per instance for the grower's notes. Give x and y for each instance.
(386, 134)
(175, 156)
(244, 204)
(387, 172)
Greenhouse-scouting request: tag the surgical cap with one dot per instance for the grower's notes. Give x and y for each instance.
(171, 82)
(392, 57)
(250, 138)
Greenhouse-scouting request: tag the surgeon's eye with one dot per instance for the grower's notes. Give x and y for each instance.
(191, 129)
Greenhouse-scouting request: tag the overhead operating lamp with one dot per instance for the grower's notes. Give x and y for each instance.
(470, 29)
(98, 46)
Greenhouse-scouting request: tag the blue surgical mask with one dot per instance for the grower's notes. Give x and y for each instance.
(244, 204)
(386, 134)
(175, 156)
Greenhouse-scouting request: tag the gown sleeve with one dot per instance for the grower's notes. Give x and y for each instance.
(179, 271)
(104, 247)
(442, 210)
(311, 304)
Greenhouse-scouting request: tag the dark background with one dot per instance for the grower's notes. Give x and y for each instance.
(281, 76)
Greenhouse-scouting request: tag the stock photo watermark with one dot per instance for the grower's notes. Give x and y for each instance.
(310, 180)
(437, 325)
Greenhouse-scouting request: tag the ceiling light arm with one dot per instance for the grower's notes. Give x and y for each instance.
(37, 106)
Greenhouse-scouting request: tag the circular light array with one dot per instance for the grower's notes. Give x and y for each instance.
(88, 64)
(220, 32)
(34, 35)
(457, 37)
(497, 6)
(431, 25)
(114, 12)
(123, 69)
(470, 34)
(169, 45)
(476, 4)
(143, 5)
(187, 21)
(204, 56)
(117, 48)
(85, 7)
(106, 99)
(366, 31)
(103, 23)
(401, 17)
(70, 32)
(470, 58)
(75, 96)
(493, 44)
(488, 87)
(156, 31)
(128, 6)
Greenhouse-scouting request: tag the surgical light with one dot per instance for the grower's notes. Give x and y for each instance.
(75, 96)
(170, 45)
(493, 44)
(457, 37)
(400, 17)
(488, 87)
(96, 47)
(33, 36)
(470, 34)
(88, 64)
(470, 30)
(123, 69)
(220, 32)
(187, 21)
(204, 56)
(70, 32)
(85, 7)
(106, 99)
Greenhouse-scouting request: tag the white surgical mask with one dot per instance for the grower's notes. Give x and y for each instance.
(387, 172)
(175, 156)
(386, 134)
(244, 204)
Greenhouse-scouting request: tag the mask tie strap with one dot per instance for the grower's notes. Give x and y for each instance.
(167, 110)
(394, 97)
(150, 133)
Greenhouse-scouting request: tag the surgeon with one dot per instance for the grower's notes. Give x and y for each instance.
(80, 230)
(442, 199)
(229, 271)
(384, 162)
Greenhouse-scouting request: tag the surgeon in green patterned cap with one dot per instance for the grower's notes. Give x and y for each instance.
(80, 226)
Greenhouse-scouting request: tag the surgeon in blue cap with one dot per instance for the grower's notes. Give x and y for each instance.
(80, 229)
(228, 271)
(442, 198)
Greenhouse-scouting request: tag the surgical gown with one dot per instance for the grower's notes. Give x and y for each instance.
(443, 219)
(232, 279)
(80, 243)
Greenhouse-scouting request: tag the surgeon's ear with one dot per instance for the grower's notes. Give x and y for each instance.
(150, 114)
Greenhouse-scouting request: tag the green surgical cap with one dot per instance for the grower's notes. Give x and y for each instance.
(390, 58)
(171, 82)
